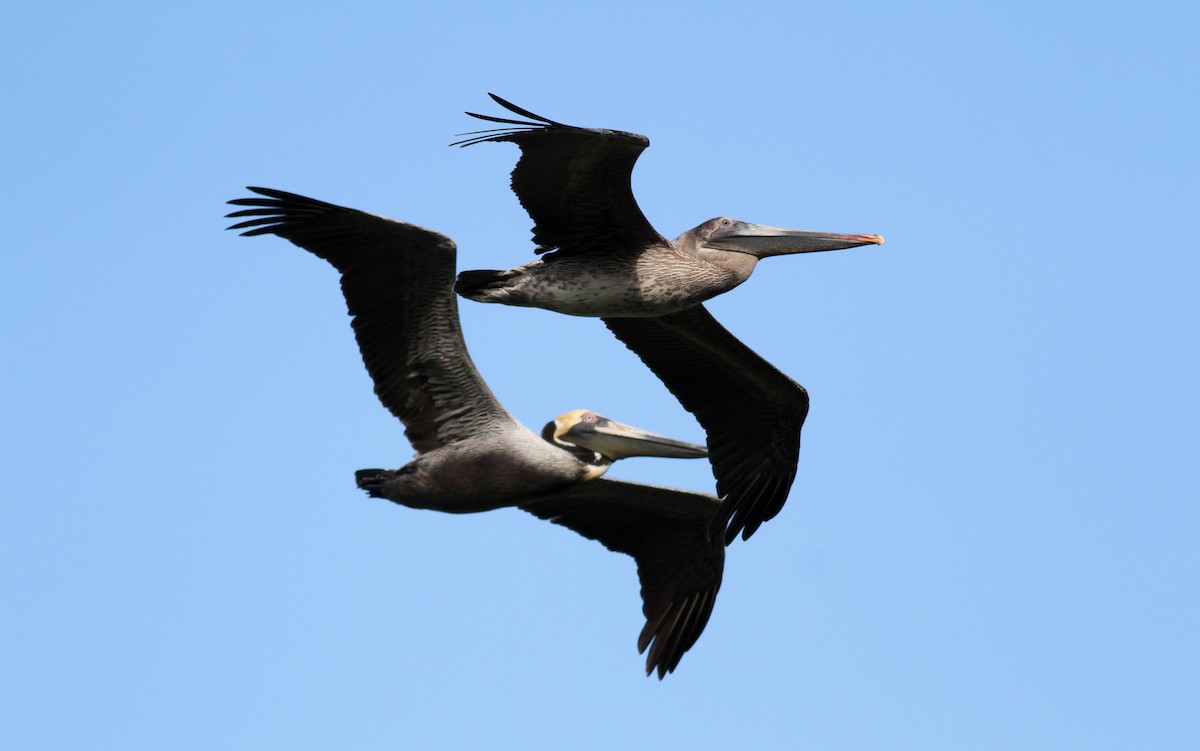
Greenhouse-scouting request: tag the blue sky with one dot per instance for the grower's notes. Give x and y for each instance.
(991, 541)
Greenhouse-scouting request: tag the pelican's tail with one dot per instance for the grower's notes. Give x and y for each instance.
(485, 286)
(373, 480)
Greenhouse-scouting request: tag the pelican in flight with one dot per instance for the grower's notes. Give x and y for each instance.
(472, 455)
(608, 261)
(602, 257)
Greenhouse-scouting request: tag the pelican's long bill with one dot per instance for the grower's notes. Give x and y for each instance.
(615, 440)
(762, 241)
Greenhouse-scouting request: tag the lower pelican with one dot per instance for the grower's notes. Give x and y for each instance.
(472, 455)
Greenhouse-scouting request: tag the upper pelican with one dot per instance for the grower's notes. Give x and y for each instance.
(472, 455)
(607, 259)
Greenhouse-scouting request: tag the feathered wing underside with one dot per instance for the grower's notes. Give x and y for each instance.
(666, 532)
(396, 279)
(751, 411)
(575, 183)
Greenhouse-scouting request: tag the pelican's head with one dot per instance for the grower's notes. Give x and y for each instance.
(761, 241)
(611, 440)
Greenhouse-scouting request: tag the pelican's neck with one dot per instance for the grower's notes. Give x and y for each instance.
(734, 266)
(737, 265)
(595, 463)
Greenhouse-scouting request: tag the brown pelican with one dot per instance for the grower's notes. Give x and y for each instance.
(607, 260)
(603, 257)
(472, 455)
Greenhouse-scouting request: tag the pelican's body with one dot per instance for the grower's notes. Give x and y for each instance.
(661, 279)
(604, 258)
(480, 474)
(472, 455)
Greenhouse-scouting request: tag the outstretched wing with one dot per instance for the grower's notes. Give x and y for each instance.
(575, 184)
(396, 279)
(751, 411)
(666, 532)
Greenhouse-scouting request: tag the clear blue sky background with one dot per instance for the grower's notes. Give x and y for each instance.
(992, 540)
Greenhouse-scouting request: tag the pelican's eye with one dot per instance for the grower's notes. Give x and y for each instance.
(587, 417)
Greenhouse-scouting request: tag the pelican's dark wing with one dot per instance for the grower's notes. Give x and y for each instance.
(666, 532)
(752, 412)
(575, 184)
(397, 279)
